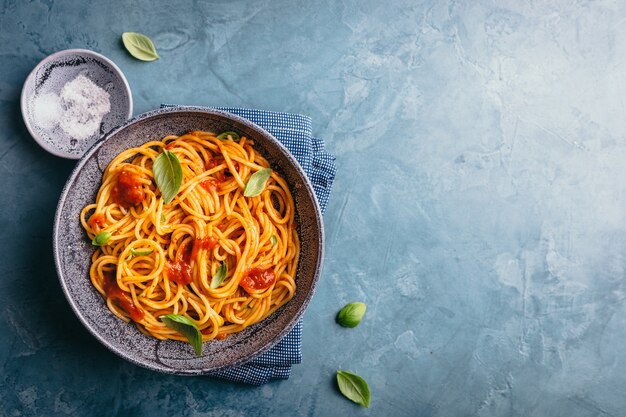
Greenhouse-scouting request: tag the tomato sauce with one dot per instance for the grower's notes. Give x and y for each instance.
(120, 298)
(212, 184)
(204, 243)
(128, 191)
(97, 220)
(180, 270)
(212, 163)
(257, 279)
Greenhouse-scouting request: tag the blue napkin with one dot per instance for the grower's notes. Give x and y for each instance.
(294, 132)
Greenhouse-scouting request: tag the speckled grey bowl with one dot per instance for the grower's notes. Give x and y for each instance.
(72, 248)
(49, 77)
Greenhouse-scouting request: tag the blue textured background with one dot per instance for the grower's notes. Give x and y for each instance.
(478, 208)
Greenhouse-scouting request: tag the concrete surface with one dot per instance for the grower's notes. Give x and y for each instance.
(478, 208)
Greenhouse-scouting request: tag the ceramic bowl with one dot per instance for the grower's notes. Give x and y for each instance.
(48, 113)
(73, 250)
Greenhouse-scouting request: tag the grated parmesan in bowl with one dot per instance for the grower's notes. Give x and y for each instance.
(72, 98)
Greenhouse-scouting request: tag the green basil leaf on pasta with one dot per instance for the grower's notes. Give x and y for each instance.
(353, 387)
(168, 175)
(101, 238)
(274, 240)
(351, 314)
(140, 46)
(163, 218)
(219, 276)
(225, 135)
(134, 253)
(257, 182)
(187, 328)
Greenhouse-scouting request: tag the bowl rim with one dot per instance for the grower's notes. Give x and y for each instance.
(30, 78)
(155, 366)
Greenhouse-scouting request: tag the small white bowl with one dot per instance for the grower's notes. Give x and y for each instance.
(42, 109)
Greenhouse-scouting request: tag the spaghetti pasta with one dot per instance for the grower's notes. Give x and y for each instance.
(213, 255)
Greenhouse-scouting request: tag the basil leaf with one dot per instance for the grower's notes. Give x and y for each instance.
(353, 387)
(257, 182)
(187, 328)
(168, 175)
(274, 240)
(224, 136)
(101, 238)
(163, 218)
(140, 46)
(134, 253)
(351, 314)
(219, 276)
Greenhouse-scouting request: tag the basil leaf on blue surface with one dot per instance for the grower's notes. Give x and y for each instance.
(140, 46)
(351, 314)
(353, 387)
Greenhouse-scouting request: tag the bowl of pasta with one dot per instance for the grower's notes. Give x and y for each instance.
(188, 240)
